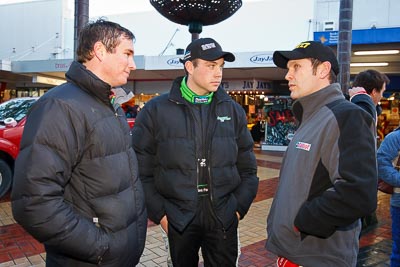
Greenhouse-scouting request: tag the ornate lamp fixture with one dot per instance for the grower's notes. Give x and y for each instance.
(196, 13)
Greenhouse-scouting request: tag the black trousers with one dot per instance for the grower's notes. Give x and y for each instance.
(219, 246)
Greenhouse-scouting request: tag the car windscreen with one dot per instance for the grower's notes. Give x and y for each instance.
(15, 108)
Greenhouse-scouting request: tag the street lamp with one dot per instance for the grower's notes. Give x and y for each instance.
(196, 13)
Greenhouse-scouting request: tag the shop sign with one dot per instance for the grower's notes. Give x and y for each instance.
(246, 85)
(174, 62)
(254, 84)
(62, 66)
(58, 65)
(362, 36)
(261, 59)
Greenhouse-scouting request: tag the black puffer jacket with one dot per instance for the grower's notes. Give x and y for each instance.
(164, 141)
(77, 164)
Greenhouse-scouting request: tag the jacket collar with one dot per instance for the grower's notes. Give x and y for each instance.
(305, 106)
(88, 81)
(176, 95)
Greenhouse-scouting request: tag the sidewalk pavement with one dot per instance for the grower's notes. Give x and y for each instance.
(17, 248)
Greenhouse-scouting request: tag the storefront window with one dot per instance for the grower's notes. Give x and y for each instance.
(389, 119)
(269, 116)
(279, 120)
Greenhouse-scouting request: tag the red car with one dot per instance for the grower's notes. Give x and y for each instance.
(12, 121)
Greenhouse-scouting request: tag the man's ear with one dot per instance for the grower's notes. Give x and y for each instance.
(325, 69)
(99, 50)
(189, 66)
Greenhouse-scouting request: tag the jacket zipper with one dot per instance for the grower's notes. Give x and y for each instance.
(208, 146)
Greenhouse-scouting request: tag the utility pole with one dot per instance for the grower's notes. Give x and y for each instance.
(80, 20)
(344, 43)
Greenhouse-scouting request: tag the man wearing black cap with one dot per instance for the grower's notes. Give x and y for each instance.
(328, 178)
(196, 160)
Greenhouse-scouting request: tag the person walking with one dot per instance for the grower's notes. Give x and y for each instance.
(388, 171)
(315, 216)
(76, 188)
(196, 160)
(367, 92)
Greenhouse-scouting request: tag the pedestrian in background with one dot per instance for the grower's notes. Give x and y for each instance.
(328, 177)
(367, 92)
(76, 187)
(196, 161)
(370, 84)
(388, 171)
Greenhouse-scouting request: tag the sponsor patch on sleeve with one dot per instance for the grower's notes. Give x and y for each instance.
(303, 146)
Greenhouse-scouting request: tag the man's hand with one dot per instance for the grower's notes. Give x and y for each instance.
(164, 223)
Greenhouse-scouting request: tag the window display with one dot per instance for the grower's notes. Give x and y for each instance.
(280, 122)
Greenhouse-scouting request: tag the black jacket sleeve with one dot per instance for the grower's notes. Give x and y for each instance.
(247, 167)
(145, 147)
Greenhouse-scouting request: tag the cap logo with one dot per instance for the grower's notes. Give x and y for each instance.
(303, 45)
(208, 46)
(187, 55)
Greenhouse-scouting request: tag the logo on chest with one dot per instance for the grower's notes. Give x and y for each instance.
(303, 146)
(222, 119)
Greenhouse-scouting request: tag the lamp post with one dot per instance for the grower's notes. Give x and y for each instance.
(81, 18)
(196, 13)
(344, 43)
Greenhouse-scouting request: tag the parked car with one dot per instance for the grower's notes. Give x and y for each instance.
(12, 121)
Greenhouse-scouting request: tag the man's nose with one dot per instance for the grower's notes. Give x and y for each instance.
(132, 64)
(288, 75)
(218, 72)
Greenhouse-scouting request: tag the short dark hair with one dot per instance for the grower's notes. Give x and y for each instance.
(316, 62)
(370, 79)
(195, 63)
(101, 30)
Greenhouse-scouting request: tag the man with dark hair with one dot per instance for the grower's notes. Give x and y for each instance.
(76, 187)
(369, 84)
(196, 161)
(315, 215)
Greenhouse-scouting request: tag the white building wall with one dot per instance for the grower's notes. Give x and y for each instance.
(264, 25)
(36, 30)
(366, 14)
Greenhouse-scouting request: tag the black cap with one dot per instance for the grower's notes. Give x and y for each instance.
(308, 49)
(206, 49)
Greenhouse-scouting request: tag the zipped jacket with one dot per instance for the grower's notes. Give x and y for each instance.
(328, 181)
(76, 187)
(164, 140)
